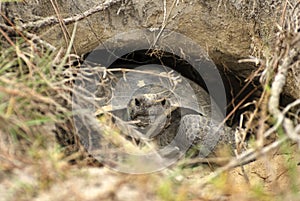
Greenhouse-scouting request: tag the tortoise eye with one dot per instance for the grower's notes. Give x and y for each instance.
(137, 102)
(163, 102)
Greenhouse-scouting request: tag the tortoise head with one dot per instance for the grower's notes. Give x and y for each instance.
(150, 108)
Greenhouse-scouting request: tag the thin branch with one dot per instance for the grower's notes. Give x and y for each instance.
(48, 21)
(242, 159)
(35, 39)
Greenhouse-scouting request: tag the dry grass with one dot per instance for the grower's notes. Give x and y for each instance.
(35, 88)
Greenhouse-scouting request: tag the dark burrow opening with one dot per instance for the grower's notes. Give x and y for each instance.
(237, 92)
